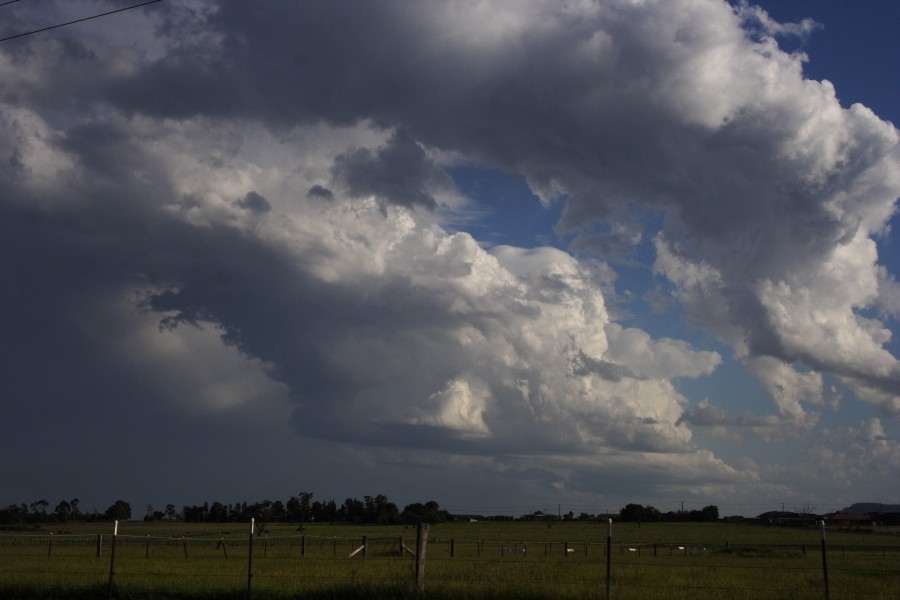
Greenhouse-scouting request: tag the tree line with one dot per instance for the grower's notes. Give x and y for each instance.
(64, 512)
(637, 513)
(302, 508)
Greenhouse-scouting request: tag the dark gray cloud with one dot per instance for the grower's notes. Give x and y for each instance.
(400, 172)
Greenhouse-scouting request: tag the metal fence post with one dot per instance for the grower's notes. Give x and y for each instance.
(824, 559)
(112, 560)
(250, 561)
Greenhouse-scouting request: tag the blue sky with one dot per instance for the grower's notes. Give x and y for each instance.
(500, 255)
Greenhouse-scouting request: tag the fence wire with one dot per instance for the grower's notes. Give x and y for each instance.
(290, 565)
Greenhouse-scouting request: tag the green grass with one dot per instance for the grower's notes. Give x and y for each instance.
(479, 561)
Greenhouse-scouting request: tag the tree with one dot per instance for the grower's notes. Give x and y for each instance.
(324, 512)
(218, 513)
(638, 513)
(711, 512)
(62, 511)
(119, 511)
(430, 512)
(299, 507)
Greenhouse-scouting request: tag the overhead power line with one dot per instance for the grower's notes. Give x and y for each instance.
(9, 2)
(111, 12)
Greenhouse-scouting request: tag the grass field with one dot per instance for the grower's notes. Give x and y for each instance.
(483, 560)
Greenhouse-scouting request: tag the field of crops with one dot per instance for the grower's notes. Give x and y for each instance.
(463, 560)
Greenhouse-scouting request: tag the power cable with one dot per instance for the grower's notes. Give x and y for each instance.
(9, 2)
(12, 37)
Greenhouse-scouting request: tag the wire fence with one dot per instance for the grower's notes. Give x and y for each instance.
(237, 565)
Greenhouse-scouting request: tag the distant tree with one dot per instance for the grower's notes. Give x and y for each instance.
(40, 506)
(706, 514)
(352, 510)
(218, 513)
(299, 507)
(118, 511)
(170, 511)
(379, 510)
(636, 513)
(194, 513)
(63, 511)
(430, 512)
(151, 514)
(324, 512)
(13, 514)
(279, 512)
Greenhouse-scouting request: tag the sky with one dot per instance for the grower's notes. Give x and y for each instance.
(506, 255)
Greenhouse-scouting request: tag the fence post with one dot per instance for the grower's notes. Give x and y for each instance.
(112, 560)
(824, 559)
(50, 546)
(147, 547)
(99, 545)
(250, 561)
(302, 546)
(452, 547)
(608, 557)
(421, 546)
(365, 546)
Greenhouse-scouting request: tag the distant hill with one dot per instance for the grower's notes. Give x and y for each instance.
(862, 508)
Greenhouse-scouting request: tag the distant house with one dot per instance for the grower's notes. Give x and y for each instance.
(788, 518)
(848, 520)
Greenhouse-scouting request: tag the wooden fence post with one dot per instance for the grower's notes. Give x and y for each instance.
(99, 545)
(421, 546)
(608, 557)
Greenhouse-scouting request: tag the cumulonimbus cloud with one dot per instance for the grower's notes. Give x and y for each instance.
(272, 172)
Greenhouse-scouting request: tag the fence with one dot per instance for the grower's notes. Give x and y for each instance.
(289, 565)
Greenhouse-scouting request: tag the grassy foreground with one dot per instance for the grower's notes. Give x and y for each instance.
(478, 561)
